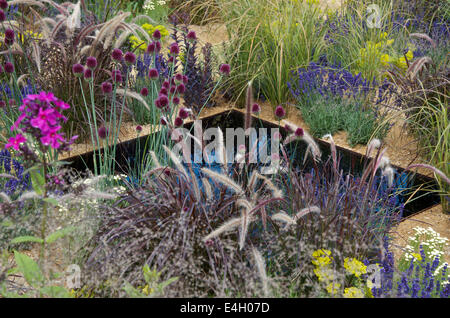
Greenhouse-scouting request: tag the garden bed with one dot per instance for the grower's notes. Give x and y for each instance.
(351, 162)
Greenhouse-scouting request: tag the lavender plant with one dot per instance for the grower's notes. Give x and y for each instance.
(333, 99)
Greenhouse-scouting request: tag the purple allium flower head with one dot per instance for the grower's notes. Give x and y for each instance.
(299, 132)
(256, 109)
(166, 84)
(225, 69)
(3, 4)
(2, 104)
(176, 100)
(88, 74)
(151, 48)
(163, 100)
(91, 62)
(2, 16)
(163, 121)
(191, 36)
(106, 87)
(116, 76)
(280, 112)
(178, 78)
(144, 91)
(181, 88)
(103, 132)
(9, 35)
(130, 58)
(78, 70)
(117, 55)
(138, 128)
(9, 67)
(170, 60)
(183, 113)
(178, 122)
(157, 46)
(185, 79)
(172, 89)
(157, 35)
(153, 74)
(157, 103)
(163, 91)
(174, 49)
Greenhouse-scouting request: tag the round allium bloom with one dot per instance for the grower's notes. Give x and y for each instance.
(151, 48)
(9, 67)
(138, 128)
(225, 69)
(163, 121)
(157, 35)
(163, 91)
(280, 112)
(144, 91)
(178, 78)
(178, 122)
(181, 88)
(88, 74)
(106, 87)
(2, 104)
(9, 34)
(185, 79)
(130, 58)
(3, 4)
(172, 89)
(170, 60)
(176, 100)
(166, 84)
(191, 36)
(91, 62)
(163, 100)
(256, 109)
(117, 55)
(183, 113)
(103, 132)
(299, 132)
(78, 69)
(174, 49)
(2, 16)
(157, 46)
(153, 74)
(116, 76)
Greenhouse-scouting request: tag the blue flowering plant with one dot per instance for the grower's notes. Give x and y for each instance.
(331, 99)
(426, 276)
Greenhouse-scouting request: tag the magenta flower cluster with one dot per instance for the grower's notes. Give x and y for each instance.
(41, 117)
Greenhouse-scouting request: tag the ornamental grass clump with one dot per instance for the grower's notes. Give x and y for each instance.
(266, 42)
(69, 38)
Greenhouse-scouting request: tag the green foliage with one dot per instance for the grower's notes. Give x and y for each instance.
(328, 116)
(153, 287)
(267, 42)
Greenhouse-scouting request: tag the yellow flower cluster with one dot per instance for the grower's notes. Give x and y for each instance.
(140, 44)
(322, 257)
(353, 292)
(376, 53)
(355, 267)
